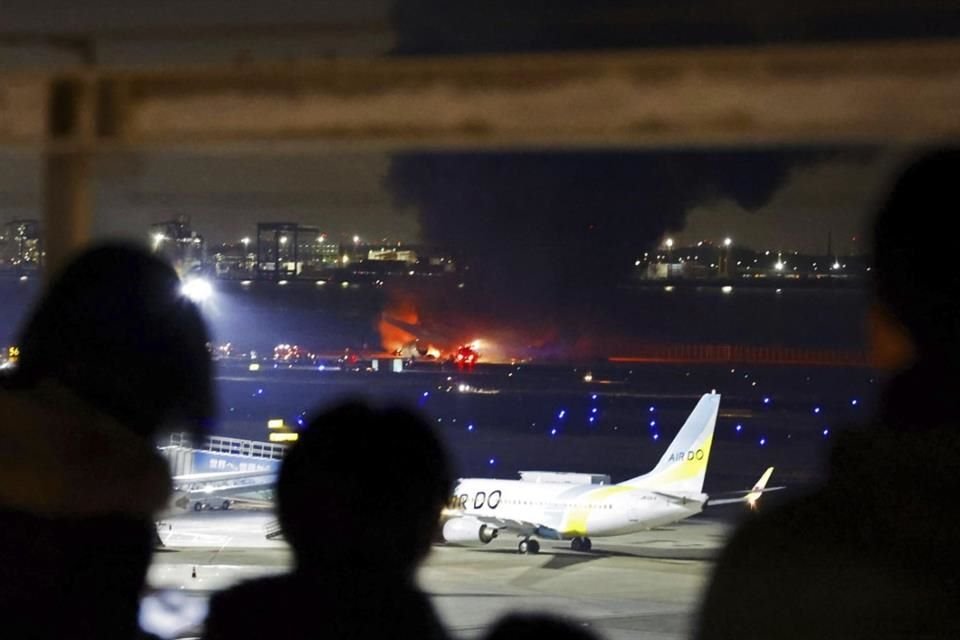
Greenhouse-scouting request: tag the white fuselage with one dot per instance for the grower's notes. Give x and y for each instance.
(566, 510)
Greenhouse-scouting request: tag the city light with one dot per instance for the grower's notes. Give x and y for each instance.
(356, 239)
(198, 290)
(669, 243)
(283, 239)
(727, 242)
(727, 289)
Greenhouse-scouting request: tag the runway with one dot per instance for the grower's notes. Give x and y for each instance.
(644, 585)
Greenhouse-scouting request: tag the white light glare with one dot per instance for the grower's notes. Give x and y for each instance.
(197, 289)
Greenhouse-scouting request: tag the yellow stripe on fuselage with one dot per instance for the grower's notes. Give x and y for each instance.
(575, 518)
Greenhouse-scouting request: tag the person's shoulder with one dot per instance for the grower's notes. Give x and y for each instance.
(252, 591)
(810, 527)
(242, 611)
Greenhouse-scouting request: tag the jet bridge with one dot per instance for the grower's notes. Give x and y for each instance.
(219, 455)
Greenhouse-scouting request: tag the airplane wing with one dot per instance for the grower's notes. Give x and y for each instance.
(509, 524)
(680, 498)
(750, 496)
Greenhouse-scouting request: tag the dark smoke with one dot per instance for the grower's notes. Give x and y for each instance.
(547, 235)
(432, 27)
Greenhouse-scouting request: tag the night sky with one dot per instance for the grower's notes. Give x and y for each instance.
(504, 213)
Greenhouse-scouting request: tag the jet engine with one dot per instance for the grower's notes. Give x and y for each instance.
(468, 531)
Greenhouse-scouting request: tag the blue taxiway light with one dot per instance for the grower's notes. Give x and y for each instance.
(562, 413)
(763, 441)
(491, 461)
(739, 428)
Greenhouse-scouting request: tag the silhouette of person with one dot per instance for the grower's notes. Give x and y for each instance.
(520, 626)
(359, 497)
(874, 552)
(111, 354)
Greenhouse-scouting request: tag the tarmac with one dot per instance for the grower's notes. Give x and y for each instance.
(643, 585)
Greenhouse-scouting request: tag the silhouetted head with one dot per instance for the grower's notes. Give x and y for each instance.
(519, 626)
(916, 270)
(114, 328)
(363, 488)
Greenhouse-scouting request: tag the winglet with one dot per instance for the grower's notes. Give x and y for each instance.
(758, 489)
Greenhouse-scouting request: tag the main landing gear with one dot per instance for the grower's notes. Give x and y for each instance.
(528, 546)
(581, 544)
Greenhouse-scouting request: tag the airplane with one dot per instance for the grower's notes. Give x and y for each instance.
(481, 508)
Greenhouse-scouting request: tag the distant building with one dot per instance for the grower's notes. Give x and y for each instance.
(176, 241)
(20, 245)
(288, 249)
(394, 255)
(233, 260)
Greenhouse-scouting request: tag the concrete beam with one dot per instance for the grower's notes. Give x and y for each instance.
(801, 94)
(832, 94)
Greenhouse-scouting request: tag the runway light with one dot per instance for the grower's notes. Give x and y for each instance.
(727, 289)
(282, 283)
(197, 289)
(254, 366)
